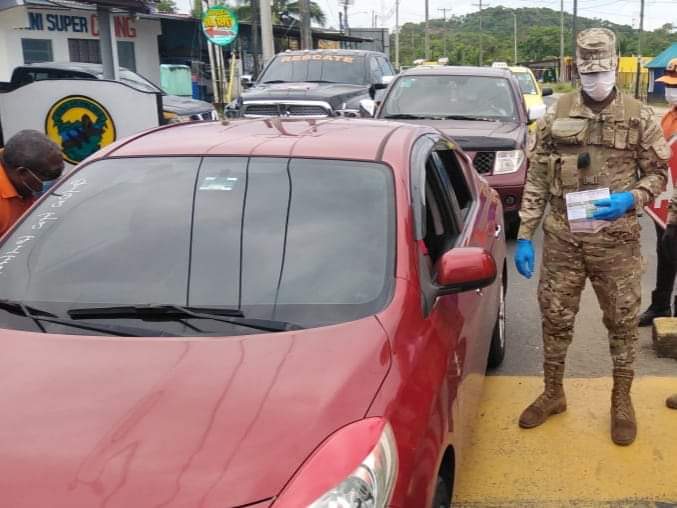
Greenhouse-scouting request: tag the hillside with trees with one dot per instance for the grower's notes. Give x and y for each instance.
(538, 36)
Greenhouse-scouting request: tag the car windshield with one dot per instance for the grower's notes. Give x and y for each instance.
(526, 83)
(305, 241)
(444, 96)
(334, 68)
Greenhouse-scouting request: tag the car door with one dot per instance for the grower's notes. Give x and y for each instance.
(444, 222)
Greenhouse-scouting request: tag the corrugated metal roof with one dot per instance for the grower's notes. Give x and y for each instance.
(661, 61)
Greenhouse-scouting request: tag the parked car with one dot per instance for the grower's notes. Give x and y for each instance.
(315, 84)
(531, 90)
(482, 109)
(175, 108)
(289, 324)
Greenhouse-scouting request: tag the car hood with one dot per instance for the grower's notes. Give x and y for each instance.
(333, 93)
(175, 422)
(185, 105)
(474, 135)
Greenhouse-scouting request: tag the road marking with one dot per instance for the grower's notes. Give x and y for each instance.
(570, 460)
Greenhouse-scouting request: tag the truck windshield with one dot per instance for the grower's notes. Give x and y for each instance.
(333, 68)
(441, 96)
(306, 241)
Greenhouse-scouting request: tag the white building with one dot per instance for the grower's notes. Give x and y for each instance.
(33, 31)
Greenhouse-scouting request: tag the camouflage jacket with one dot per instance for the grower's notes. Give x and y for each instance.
(640, 138)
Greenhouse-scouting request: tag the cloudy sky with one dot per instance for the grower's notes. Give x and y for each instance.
(657, 12)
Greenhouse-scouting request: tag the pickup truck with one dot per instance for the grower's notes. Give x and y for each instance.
(174, 108)
(315, 84)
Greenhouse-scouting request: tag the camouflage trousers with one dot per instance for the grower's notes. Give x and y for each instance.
(611, 259)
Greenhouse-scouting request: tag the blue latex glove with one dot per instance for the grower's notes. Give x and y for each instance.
(524, 258)
(614, 207)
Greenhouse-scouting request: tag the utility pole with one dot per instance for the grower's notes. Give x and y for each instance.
(515, 27)
(306, 34)
(573, 45)
(427, 30)
(481, 42)
(444, 34)
(561, 40)
(639, 50)
(267, 44)
(397, 35)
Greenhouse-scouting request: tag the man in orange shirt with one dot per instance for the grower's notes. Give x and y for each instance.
(668, 242)
(29, 165)
(666, 266)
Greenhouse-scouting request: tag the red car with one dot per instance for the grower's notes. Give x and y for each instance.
(270, 313)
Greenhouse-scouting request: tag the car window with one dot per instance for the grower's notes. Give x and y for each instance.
(527, 85)
(442, 96)
(335, 68)
(136, 81)
(305, 241)
(454, 179)
(386, 68)
(443, 220)
(375, 71)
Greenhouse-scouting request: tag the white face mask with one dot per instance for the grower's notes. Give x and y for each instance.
(598, 85)
(671, 95)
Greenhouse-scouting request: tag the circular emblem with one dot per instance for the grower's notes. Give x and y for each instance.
(80, 126)
(220, 25)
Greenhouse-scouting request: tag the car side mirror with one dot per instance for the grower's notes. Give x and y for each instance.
(376, 86)
(546, 92)
(386, 80)
(464, 269)
(367, 108)
(246, 81)
(536, 111)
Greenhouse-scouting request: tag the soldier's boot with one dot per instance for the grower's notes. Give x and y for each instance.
(623, 423)
(660, 307)
(672, 402)
(551, 402)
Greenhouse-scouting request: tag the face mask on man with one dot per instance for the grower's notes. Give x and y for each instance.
(671, 95)
(44, 184)
(598, 85)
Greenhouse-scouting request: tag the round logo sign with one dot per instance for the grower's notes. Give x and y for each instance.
(220, 25)
(80, 126)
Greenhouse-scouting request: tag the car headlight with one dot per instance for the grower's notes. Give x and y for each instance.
(508, 161)
(371, 484)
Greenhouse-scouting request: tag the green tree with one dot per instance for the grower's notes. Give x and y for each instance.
(284, 12)
(168, 6)
(196, 11)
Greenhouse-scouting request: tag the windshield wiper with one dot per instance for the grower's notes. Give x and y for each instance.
(405, 116)
(465, 117)
(275, 81)
(320, 81)
(39, 315)
(160, 312)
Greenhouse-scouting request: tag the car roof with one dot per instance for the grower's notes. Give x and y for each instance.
(457, 70)
(519, 68)
(360, 52)
(91, 68)
(327, 139)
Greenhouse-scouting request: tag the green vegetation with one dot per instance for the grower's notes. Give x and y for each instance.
(167, 6)
(538, 36)
(284, 12)
(561, 87)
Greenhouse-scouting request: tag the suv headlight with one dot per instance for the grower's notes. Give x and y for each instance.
(508, 161)
(371, 484)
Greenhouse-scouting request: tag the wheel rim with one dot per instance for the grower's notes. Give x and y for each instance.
(501, 318)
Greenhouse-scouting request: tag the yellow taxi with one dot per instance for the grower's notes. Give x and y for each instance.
(531, 90)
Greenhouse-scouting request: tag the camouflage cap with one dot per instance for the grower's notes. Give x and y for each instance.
(596, 51)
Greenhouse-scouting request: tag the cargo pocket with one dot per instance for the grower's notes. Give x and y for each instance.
(568, 173)
(621, 137)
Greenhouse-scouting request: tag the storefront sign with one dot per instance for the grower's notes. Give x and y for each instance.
(220, 25)
(124, 25)
(80, 125)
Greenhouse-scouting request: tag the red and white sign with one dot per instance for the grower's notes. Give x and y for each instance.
(658, 209)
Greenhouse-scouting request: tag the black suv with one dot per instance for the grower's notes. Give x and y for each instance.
(316, 84)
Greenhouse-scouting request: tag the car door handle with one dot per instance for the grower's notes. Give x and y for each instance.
(499, 230)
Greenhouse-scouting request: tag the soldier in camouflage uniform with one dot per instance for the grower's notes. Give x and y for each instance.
(592, 138)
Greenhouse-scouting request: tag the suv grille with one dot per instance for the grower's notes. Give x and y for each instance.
(484, 162)
(288, 110)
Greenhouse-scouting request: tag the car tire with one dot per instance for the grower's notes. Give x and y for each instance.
(442, 497)
(497, 348)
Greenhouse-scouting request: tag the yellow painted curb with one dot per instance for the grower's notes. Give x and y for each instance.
(570, 460)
